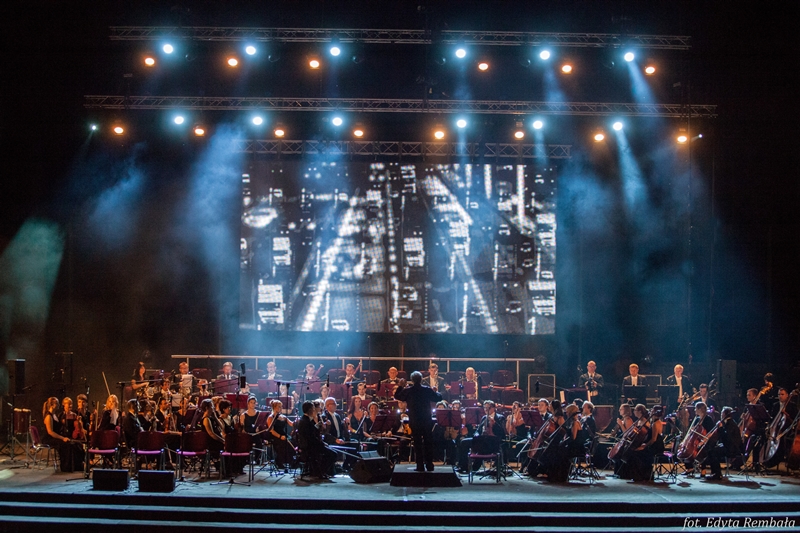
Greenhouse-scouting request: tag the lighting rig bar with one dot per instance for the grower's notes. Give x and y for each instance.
(373, 36)
(384, 105)
(405, 149)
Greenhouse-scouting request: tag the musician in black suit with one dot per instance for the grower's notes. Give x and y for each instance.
(434, 380)
(419, 399)
(634, 378)
(272, 372)
(685, 386)
(492, 425)
(319, 458)
(729, 444)
(592, 380)
(227, 371)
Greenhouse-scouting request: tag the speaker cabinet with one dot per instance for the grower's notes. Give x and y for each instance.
(156, 481)
(726, 376)
(371, 468)
(116, 480)
(16, 376)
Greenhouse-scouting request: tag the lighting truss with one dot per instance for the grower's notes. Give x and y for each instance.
(405, 149)
(372, 36)
(386, 105)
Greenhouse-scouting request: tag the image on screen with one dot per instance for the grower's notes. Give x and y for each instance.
(398, 247)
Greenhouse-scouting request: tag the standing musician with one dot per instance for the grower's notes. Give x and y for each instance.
(419, 398)
(634, 378)
(111, 417)
(752, 430)
(351, 373)
(591, 380)
(139, 382)
(434, 380)
(278, 435)
(729, 443)
(313, 452)
(683, 383)
(355, 419)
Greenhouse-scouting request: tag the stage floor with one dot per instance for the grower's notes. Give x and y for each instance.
(771, 487)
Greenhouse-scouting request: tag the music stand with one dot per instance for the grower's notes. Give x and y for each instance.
(532, 418)
(472, 416)
(669, 396)
(386, 390)
(758, 412)
(448, 418)
(267, 387)
(470, 388)
(637, 393)
(222, 386)
(577, 392)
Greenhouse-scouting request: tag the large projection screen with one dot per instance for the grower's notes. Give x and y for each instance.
(398, 247)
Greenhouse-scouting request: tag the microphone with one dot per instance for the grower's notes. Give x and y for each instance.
(328, 380)
(537, 385)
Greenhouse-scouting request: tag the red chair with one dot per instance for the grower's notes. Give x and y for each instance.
(373, 377)
(149, 444)
(202, 373)
(503, 378)
(509, 396)
(106, 444)
(236, 445)
(402, 374)
(194, 447)
(485, 449)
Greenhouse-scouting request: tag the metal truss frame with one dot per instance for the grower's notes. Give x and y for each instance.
(373, 36)
(385, 105)
(405, 149)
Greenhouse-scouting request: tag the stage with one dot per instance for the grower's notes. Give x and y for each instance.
(36, 500)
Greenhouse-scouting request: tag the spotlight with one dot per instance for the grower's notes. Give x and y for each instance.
(566, 68)
(483, 66)
(519, 134)
(538, 124)
(628, 57)
(617, 126)
(250, 50)
(257, 120)
(461, 53)
(335, 51)
(461, 123)
(598, 137)
(544, 54)
(358, 132)
(313, 63)
(279, 132)
(93, 127)
(682, 139)
(337, 121)
(168, 48)
(650, 70)
(149, 61)
(232, 62)
(119, 130)
(438, 134)
(178, 119)
(199, 131)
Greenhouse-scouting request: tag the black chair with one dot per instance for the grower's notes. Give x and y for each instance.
(485, 449)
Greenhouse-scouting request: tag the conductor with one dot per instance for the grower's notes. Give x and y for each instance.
(419, 398)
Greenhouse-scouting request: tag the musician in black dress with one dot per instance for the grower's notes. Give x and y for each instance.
(701, 425)
(111, 417)
(278, 435)
(56, 436)
(640, 460)
(555, 458)
(355, 420)
(419, 399)
(313, 452)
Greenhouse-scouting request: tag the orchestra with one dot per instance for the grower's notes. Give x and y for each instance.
(541, 437)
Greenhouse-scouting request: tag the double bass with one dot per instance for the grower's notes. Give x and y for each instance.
(770, 448)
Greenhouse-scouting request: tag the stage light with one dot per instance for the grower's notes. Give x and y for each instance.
(519, 134)
(461, 123)
(650, 70)
(438, 134)
(538, 124)
(628, 57)
(358, 132)
(279, 131)
(599, 136)
(199, 131)
(617, 126)
(335, 51)
(232, 62)
(119, 130)
(682, 139)
(149, 61)
(544, 54)
(566, 68)
(313, 63)
(337, 121)
(93, 127)
(250, 50)
(168, 48)
(461, 53)
(483, 66)
(179, 119)
(257, 120)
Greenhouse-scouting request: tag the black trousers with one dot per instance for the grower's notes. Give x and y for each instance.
(422, 433)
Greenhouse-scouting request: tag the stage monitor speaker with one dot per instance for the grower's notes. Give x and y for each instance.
(156, 481)
(16, 376)
(547, 386)
(116, 480)
(371, 468)
(726, 376)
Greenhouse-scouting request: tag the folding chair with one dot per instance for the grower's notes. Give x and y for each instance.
(194, 447)
(236, 445)
(38, 448)
(485, 449)
(106, 444)
(149, 444)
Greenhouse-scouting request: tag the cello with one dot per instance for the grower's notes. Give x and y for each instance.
(711, 438)
(696, 435)
(538, 445)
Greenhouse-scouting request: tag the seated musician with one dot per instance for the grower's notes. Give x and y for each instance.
(555, 459)
(470, 376)
(227, 371)
(84, 414)
(164, 419)
(313, 452)
(588, 422)
(516, 432)
(110, 418)
(700, 426)
(361, 392)
(704, 397)
(213, 428)
(131, 427)
(392, 378)
(310, 373)
(278, 435)
(729, 443)
(294, 397)
(355, 419)
(185, 380)
(71, 453)
(163, 392)
(683, 383)
(592, 380)
(351, 373)
(491, 425)
(225, 417)
(640, 459)
(139, 382)
(67, 417)
(434, 380)
(272, 372)
(146, 415)
(625, 419)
